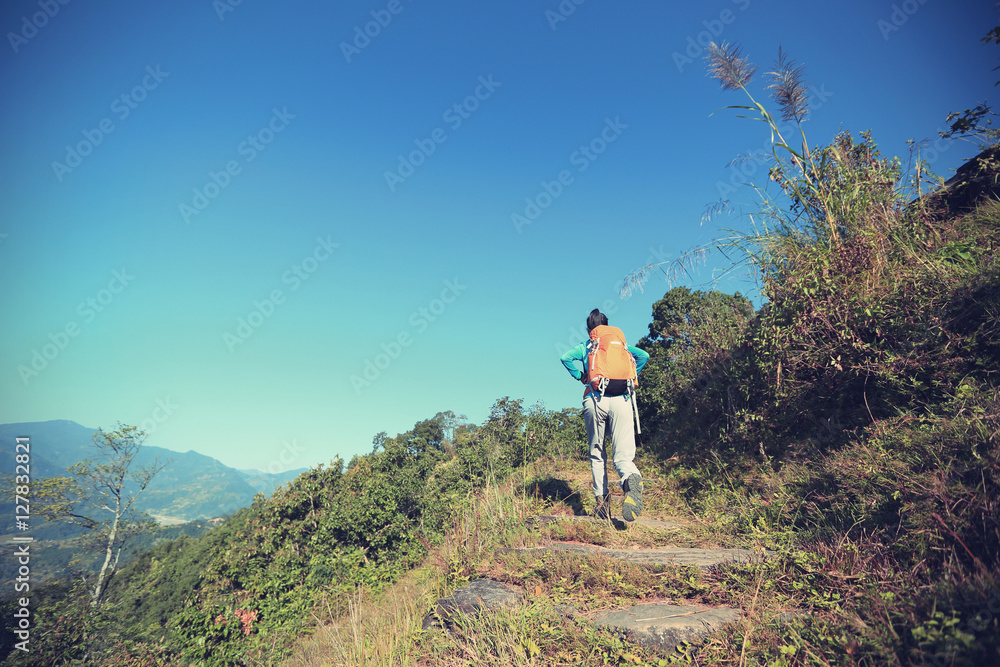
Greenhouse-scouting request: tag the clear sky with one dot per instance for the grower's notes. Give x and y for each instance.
(218, 216)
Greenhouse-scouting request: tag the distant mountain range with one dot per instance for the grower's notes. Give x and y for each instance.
(191, 486)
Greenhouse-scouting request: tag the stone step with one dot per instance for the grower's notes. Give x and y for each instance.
(704, 558)
(656, 625)
(663, 626)
(618, 523)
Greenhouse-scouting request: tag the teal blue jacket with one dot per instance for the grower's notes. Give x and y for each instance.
(579, 353)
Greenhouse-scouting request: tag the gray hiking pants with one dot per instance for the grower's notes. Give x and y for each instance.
(614, 412)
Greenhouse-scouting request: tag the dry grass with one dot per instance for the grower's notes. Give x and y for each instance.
(851, 601)
(378, 631)
(363, 630)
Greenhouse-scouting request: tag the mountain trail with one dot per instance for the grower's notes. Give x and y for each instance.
(659, 625)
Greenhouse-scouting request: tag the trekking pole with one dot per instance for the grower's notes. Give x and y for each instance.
(635, 407)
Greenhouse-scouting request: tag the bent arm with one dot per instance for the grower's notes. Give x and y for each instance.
(640, 356)
(569, 360)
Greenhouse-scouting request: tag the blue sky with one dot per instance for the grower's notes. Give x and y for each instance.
(216, 214)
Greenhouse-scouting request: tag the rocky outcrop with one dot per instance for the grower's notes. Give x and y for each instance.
(479, 595)
(973, 183)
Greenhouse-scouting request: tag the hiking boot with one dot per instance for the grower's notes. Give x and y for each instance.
(632, 506)
(603, 509)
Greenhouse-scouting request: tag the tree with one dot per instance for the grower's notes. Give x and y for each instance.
(110, 483)
(692, 322)
(497, 447)
(690, 343)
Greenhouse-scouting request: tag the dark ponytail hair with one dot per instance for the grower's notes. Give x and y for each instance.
(596, 319)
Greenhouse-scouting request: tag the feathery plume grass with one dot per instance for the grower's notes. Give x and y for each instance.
(727, 65)
(788, 88)
(715, 209)
(673, 271)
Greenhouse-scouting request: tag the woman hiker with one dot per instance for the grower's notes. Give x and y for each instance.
(601, 411)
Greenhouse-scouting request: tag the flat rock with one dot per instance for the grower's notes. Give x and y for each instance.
(664, 626)
(479, 595)
(618, 523)
(656, 556)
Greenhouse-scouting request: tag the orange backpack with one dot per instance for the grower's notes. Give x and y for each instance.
(610, 364)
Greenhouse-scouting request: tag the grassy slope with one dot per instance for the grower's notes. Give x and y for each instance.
(865, 605)
(885, 524)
